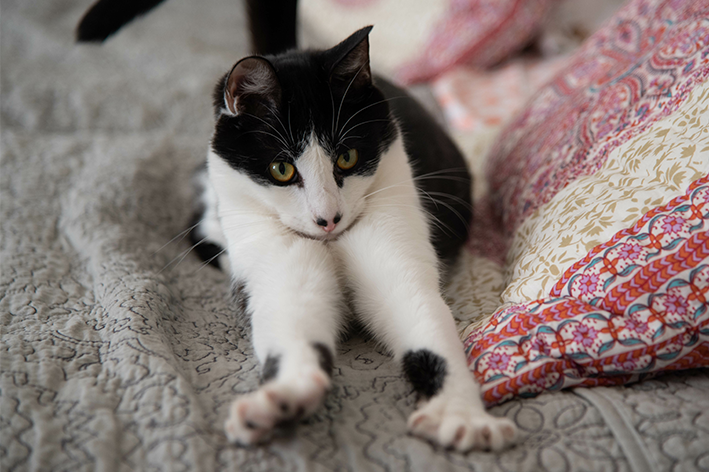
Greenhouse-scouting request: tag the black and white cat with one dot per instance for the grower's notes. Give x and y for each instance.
(327, 188)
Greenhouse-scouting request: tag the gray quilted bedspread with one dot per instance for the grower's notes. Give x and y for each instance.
(120, 351)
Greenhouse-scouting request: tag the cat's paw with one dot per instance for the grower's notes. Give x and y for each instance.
(456, 425)
(253, 417)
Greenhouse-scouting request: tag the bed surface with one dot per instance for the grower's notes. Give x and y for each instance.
(120, 351)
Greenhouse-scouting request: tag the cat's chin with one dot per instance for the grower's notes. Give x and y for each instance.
(325, 237)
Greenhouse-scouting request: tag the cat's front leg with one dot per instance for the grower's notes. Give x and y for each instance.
(392, 268)
(295, 311)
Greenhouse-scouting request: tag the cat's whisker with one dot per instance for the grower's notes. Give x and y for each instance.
(361, 124)
(282, 139)
(342, 141)
(282, 125)
(369, 106)
(290, 130)
(443, 177)
(453, 210)
(454, 198)
(282, 151)
(398, 184)
(209, 261)
(433, 218)
(182, 233)
(283, 143)
(337, 122)
(332, 101)
(232, 212)
(444, 171)
(183, 254)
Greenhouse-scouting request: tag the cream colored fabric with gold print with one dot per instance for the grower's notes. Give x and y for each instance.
(473, 291)
(639, 175)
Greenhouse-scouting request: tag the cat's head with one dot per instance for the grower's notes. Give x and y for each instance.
(308, 128)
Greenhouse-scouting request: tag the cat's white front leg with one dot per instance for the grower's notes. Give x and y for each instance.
(295, 305)
(392, 267)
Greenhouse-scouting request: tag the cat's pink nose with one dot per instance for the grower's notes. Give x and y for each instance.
(329, 225)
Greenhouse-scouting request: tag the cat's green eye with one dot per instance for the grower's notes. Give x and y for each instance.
(282, 171)
(348, 159)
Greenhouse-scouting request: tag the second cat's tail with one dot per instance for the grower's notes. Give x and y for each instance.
(105, 17)
(272, 22)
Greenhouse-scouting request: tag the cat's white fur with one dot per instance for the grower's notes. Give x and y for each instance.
(295, 274)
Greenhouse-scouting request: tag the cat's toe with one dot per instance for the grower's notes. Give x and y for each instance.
(300, 397)
(251, 419)
(460, 427)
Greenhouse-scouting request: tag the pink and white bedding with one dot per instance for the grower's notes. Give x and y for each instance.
(601, 187)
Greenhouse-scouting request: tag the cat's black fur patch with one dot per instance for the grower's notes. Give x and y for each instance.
(325, 357)
(272, 26)
(270, 368)
(208, 252)
(425, 370)
(443, 179)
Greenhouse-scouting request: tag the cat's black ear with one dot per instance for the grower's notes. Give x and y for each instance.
(351, 60)
(251, 87)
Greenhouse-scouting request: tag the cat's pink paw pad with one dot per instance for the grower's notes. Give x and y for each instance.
(253, 417)
(459, 427)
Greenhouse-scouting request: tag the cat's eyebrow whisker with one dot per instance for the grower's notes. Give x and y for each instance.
(290, 130)
(268, 134)
(342, 141)
(337, 122)
(369, 106)
(282, 139)
(332, 125)
(360, 124)
(282, 125)
(282, 151)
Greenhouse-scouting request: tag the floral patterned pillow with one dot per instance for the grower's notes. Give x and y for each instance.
(602, 188)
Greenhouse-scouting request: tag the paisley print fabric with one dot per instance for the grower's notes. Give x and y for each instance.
(643, 173)
(636, 304)
(626, 77)
(602, 185)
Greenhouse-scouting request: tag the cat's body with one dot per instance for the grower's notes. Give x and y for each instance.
(329, 189)
(323, 198)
